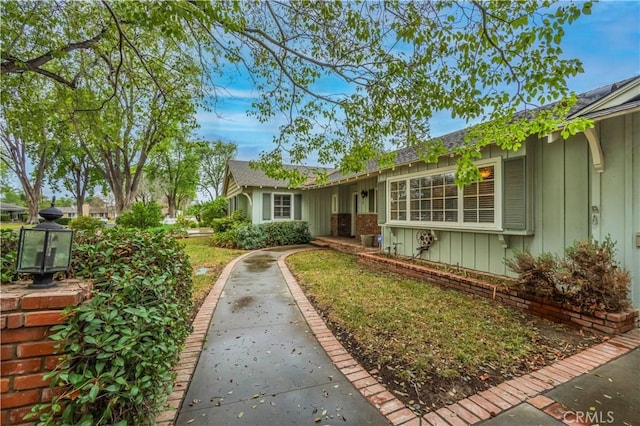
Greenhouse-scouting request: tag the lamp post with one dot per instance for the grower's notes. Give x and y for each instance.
(45, 249)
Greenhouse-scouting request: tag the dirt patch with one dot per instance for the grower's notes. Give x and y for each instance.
(554, 342)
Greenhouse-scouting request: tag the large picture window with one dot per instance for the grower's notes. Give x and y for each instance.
(436, 199)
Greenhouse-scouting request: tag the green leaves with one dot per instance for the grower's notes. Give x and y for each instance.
(119, 348)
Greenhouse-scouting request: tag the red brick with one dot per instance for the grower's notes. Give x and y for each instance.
(24, 334)
(380, 398)
(617, 317)
(513, 391)
(15, 320)
(504, 395)
(351, 370)
(20, 366)
(474, 408)
(6, 352)
(9, 302)
(569, 368)
(414, 421)
(51, 301)
(586, 360)
(391, 406)
(4, 417)
(486, 405)
(523, 386)
(20, 399)
(366, 382)
(51, 362)
(540, 401)
(16, 415)
(401, 416)
(434, 419)
(4, 385)
(30, 381)
(32, 319)
(557, 374)
(557, 411)
(372, 390)
(49, 393)
(450, 417)
(544, 378)
(357, 376)
(33, 349)
(465, 415)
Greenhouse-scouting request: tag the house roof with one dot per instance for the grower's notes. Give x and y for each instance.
(451, 140)
(593, 103)
(244, 175)
(7, 207)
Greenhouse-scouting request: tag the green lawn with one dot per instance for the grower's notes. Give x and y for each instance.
(419, 328)
(13, 225)
(203, 255)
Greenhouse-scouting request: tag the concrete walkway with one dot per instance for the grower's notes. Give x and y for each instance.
(261, 355)
(262, 365)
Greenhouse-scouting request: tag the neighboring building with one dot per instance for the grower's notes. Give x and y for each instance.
(541, 198)
(13, 211)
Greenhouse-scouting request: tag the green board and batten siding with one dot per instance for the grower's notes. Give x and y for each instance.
(565, 186)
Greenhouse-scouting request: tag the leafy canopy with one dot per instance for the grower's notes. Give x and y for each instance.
(394, 65)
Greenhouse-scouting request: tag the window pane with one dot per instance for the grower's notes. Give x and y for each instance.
(451, 216)
(479, 199)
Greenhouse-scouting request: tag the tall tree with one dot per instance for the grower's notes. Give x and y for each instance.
(74, 171)
(213, 160)
(398, 62)
(27, 132)
(174, 169)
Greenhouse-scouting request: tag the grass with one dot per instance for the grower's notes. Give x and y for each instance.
(12, 225)
(203, 255)
(407, 323)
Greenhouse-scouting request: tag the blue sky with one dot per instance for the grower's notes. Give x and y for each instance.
(607, 42)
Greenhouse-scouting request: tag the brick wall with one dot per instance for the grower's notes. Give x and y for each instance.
(341, 225)
(27, 353)
(367, 223)
(610, 323)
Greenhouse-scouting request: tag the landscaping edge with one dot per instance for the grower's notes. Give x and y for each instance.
(602, 322)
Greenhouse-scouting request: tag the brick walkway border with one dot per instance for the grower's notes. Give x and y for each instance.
(471, 410)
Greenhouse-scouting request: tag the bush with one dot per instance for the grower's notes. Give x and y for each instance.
(8, 254)
(86, 223)
(142, 216)
(206, 212)
(119, 348)
(5, 217)
(592, 277)
(587, 277)
(286, 233)
(64, 221)
(224, 224)
(252, 237)
(536, 275)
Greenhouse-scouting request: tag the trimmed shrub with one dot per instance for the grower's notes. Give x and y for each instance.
(250, 237)
(286, 233)
(5, 217)
(87, 224)
(119, 348)
(142, 216)
(8, 254)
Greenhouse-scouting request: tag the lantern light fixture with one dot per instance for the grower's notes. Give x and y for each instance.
(45, 249)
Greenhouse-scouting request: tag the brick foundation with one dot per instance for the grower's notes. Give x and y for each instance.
(27, 352)
(609, 323)
(341, 225)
